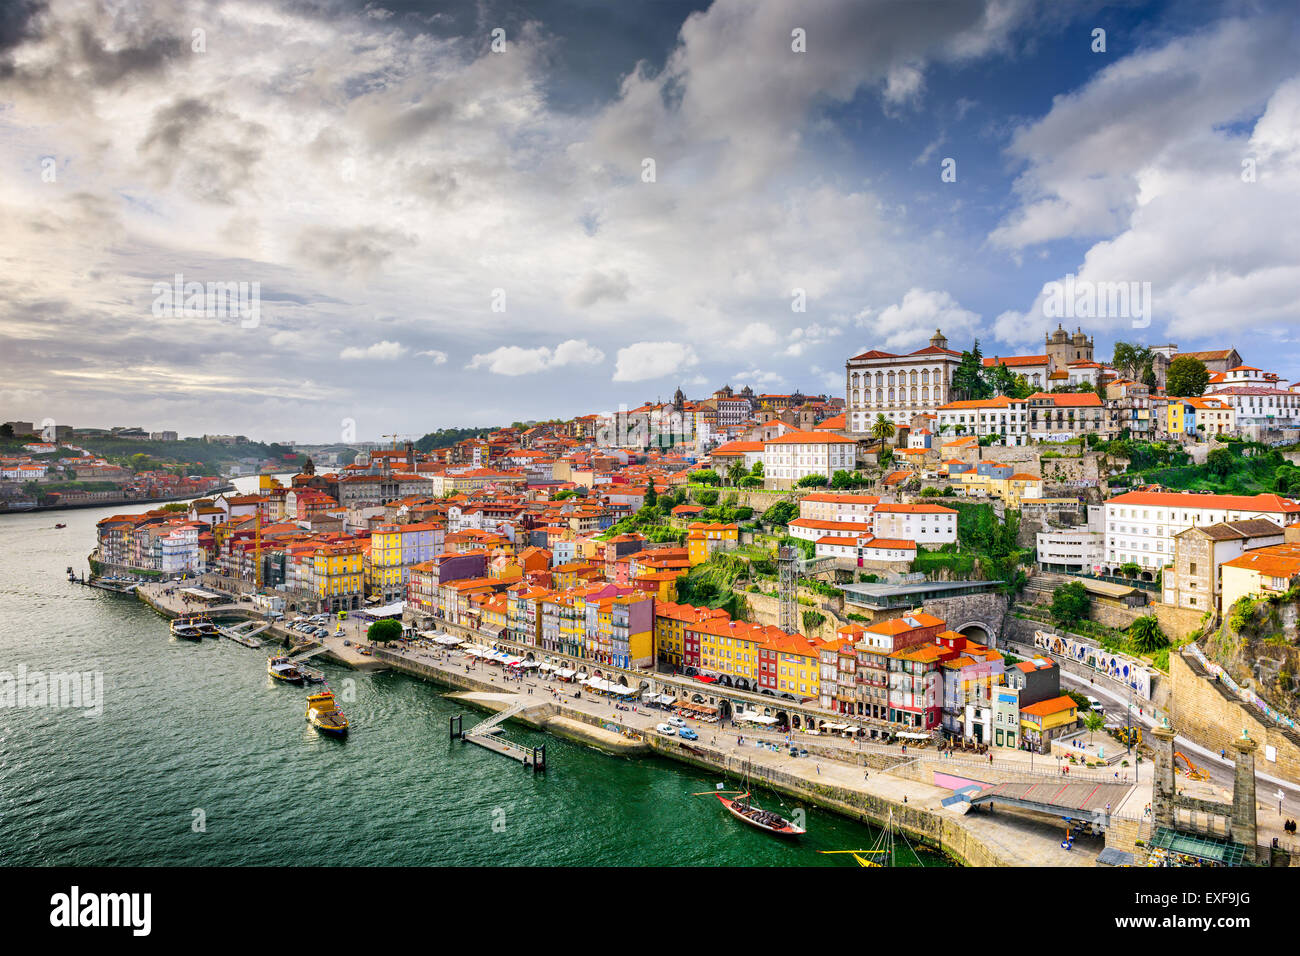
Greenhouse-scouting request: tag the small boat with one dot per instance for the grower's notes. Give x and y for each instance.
(742, 809)
(60, 525)
(325, 716)
(193, 627)
(283, 669)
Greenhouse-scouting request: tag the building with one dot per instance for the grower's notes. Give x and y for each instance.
(873, 645)
(704, 539)
(1062, 348)
(847, 508)
(1192, 581)
(1141, 525)
(924, 524)
(1262, 572)
(1057, 416)
(898, 386)
(1046, 720)
(795, 455)
(1002, 419)
(1035, 368)
(670, 628)
(916, 685)
(1074, 550)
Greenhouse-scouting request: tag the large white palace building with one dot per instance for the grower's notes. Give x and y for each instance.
(898, 386)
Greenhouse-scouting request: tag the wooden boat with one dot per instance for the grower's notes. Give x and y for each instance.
(325, 716)
(742, 809)
(193, 627)
(283, 669)
(882, 854)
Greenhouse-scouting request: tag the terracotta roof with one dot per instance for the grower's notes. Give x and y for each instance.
(1181, 499)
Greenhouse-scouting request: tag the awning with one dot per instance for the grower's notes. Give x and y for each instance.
(757, 718)
(566, 673)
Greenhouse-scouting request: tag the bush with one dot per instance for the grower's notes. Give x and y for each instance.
(382, 632)
(811, 481)
(1070, 604)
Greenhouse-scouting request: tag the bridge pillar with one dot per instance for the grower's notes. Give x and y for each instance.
(1164, 790)
(1243, 794)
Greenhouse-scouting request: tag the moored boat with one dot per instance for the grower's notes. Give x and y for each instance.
(324, 715)
(283, 669)
(193, 627)
(742, 809)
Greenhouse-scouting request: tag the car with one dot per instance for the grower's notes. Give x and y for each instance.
(687, 734)
(668, 730)
(676, 721)
(1095, 704)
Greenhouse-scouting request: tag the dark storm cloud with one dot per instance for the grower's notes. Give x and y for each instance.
(17, 22)
(212, 151)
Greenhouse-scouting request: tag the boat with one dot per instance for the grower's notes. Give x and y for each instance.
(882, 854)
(325, 716)
(283, 669)
(743, 809)
(60, 525)
(193, 628)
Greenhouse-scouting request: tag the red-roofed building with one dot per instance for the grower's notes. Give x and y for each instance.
(898, 386)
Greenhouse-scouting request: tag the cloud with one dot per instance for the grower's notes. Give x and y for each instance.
(1165, 181)
(646, 360)
(597, 286)
(379, 352)
(438, 357)
(515, 360)
(911, 323)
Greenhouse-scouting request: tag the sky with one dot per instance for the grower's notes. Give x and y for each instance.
(463, 214)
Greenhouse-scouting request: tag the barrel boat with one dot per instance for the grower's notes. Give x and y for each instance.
(742, 809)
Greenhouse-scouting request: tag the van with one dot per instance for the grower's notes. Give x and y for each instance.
(667, 730)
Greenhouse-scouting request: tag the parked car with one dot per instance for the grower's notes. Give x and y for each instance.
(1095, 704)
(668, 730)
(687, 734)
(676, 721)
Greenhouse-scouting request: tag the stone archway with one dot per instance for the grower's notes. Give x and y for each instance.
(977, 631)
(782, 718)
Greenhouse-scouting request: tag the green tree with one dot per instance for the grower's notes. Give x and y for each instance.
(757, 470)
(1133, 360)
(783, 512)
(1093, 722)
(1070, 604)
(735, 471)
(811, 481)
(1146, 635)
(1220, 462)
(382, 632)
(651, 496)
(1187, 377)
(705, 476)
(968, 380)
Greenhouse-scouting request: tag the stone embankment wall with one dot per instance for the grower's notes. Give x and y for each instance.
(1211, 714)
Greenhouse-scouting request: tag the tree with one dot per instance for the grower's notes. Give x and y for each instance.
(651, 496)
(1093, 722)
(882, 429)
(783, 512)
(1146, 635)
(811, 481)
(1002, 381)
(1220, 462)
(705, 476)
(757, 470)
(1133, 360)
(1070, 604)
(6, 431)
(382, 632)
(1187, 377)
(735, 471)
(968, 381)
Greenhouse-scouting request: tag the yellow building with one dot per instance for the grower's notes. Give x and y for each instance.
(702, 539)
(338, 575)
(670, 627)
(1263, 571)
(1041, 722)
(385, 577)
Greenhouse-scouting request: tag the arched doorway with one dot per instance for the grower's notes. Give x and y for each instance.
(977, 631)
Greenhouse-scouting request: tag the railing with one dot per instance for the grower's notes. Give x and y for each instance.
(1244, 693)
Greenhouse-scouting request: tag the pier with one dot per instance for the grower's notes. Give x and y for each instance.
(484, 734)
(245, 633)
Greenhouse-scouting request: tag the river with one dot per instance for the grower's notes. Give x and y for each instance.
(198, 759)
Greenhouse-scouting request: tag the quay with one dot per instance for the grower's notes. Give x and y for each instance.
(864, 782)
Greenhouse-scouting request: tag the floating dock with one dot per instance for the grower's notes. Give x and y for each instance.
(484, 734)
(245, 633)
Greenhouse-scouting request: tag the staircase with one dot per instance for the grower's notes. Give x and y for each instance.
(486, 727)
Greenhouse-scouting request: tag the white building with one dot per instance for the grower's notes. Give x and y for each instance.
(795, 455)
(898, 386)
(924, 524)
(1140, 525)
(1004, 419)
(829, 506)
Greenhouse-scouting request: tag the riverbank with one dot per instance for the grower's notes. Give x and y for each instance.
(113, 501)
(978, 838)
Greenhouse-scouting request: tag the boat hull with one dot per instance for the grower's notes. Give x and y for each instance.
(787, 829)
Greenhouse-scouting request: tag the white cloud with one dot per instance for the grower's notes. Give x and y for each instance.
(384, 351)
(645, 360)
(910, 324)
(439, 357)
(515, 360)
(1149, 154)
